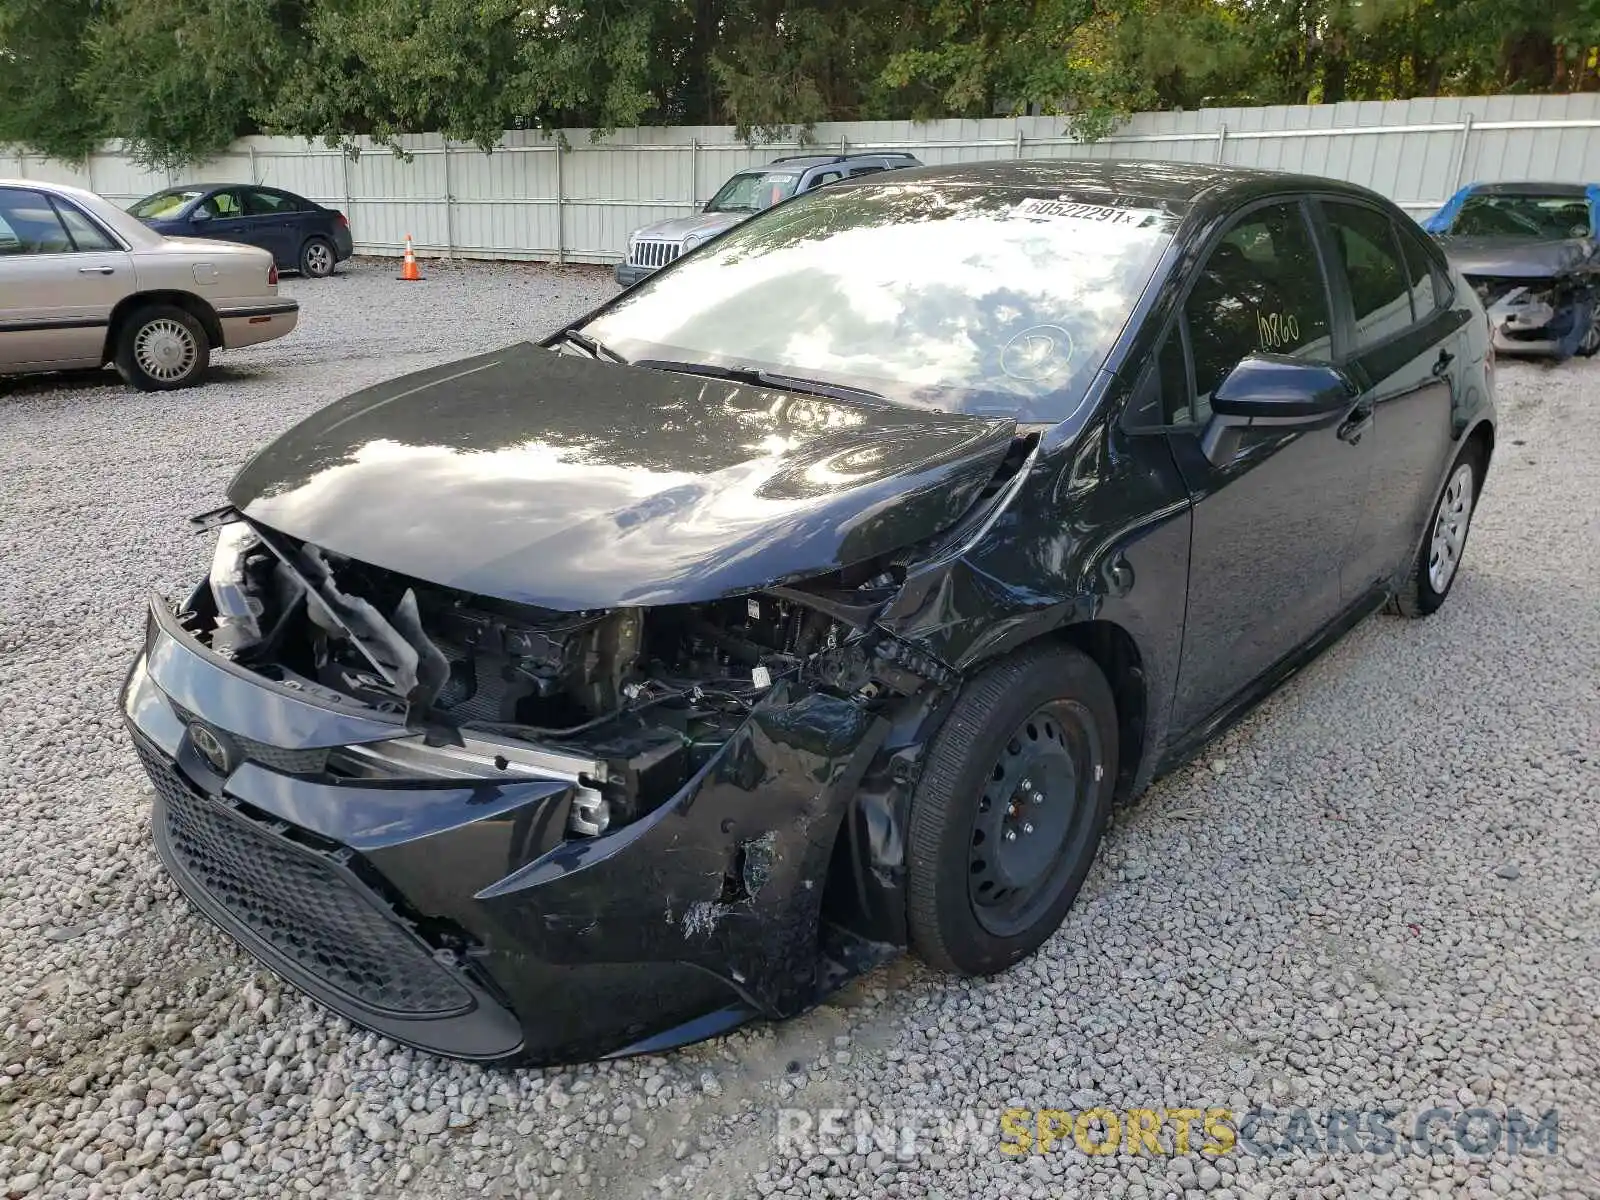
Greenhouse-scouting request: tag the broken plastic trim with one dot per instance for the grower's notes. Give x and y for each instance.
(399, 651)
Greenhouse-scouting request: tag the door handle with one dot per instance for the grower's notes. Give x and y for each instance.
(1442, 363)
(97, 270)
(1357, 423)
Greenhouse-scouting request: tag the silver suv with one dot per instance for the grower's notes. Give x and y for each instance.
(745, 194)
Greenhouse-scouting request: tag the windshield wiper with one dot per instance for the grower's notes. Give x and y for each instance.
(596, 349)
(773, 379)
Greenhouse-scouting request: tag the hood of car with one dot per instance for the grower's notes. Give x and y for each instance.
(1516, 258)
(549, 479)
(678, 228)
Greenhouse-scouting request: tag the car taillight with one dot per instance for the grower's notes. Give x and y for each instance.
(343, 220)
(272, 275)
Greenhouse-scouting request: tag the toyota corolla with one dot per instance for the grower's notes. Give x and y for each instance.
(811, 601)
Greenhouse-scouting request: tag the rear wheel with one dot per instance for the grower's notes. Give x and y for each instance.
(1439, 561)
(161, 347)
(317, 258)
(1009, 811)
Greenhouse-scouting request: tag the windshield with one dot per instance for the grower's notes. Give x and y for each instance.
(752, 191)
(981, 300)
(164, 204)
(1526, 216)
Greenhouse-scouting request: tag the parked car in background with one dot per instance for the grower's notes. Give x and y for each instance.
(745, 194)
(821, 593)
(302, 235)
(82, 284)
(1532, 253)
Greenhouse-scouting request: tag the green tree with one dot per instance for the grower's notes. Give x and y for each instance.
(180, 79)
(41, 49)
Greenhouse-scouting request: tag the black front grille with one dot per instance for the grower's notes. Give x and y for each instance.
(274, 758)
(300, 904)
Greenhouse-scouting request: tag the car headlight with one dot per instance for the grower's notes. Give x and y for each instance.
(238, 611)
(694, 239)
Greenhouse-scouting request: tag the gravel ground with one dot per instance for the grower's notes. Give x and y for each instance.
(1379, 891)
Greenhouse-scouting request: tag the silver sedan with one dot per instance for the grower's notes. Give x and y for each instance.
(83, 284)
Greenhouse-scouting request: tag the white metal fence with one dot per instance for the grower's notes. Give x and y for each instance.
(537, 198)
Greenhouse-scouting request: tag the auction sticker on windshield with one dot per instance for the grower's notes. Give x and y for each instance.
(1099, 214)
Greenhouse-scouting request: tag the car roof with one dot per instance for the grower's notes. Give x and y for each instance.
(215, 187)
(805, 161)
(1575, 190)
(1176, 186)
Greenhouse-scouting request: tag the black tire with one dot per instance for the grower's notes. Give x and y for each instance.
(1420, 595)
(318, 258)
(1044, 710)
(1590, 345)
(160, 348)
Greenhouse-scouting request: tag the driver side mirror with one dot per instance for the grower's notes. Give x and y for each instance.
(1274, 392)
(199, 215)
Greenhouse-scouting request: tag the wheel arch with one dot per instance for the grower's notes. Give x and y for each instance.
(1481, 440)
(1113, 649)
(188, 301)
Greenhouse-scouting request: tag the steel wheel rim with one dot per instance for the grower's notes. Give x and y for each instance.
(1450, 529)
(319, 259)
(1033, 817)
(165, 350)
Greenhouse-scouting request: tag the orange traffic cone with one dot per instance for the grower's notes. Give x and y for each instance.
(409, 272)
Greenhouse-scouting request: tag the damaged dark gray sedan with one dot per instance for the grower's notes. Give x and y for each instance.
(813, 600)
(1532, 253)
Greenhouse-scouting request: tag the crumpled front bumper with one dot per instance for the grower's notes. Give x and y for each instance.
(455, 915)
(1524, 323)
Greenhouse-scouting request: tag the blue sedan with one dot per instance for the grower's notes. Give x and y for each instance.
(301, 234)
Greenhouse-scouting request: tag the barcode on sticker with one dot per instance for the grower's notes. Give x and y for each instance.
(761, 677)
(753, 607)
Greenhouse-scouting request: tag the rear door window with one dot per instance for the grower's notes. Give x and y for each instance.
(86, 235)
(1380, 288)
(268, 204)
(1425, 291)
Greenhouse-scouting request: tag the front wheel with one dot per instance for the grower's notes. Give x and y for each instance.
(162, 347)
(1439, 561)
(1009, 811)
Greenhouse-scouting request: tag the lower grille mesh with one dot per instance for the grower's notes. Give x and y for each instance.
(306, 908)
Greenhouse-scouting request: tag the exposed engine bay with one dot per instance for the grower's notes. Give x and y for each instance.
(652, 693)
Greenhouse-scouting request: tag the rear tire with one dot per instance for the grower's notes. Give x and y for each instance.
(317, 258)
(161, 348)
(1010, 809)
(1438, 562)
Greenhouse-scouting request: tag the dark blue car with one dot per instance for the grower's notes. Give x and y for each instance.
(302, 235)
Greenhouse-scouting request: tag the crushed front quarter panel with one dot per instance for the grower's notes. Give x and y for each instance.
(697, 916)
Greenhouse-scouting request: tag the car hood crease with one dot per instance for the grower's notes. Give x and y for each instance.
(550, 479)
